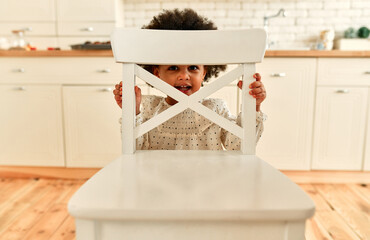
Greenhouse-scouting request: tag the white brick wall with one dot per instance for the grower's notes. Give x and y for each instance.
(306, 18)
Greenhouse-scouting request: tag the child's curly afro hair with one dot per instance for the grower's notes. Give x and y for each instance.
(186, 19)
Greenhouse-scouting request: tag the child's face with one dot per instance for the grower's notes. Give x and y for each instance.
(186, 78)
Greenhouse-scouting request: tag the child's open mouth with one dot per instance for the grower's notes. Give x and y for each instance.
(183, 89)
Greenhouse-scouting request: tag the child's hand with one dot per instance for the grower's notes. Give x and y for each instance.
(118, 96)
(257, 90)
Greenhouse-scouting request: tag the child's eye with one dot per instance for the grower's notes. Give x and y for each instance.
(173, 68)
(193, 67)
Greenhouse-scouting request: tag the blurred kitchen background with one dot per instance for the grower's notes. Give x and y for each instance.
(57, 23)
(59, 119)
(57, 105)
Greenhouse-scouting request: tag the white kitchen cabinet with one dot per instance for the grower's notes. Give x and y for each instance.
(58, 23)
(37, 18)
(341, 114)
(85, 28)
(66, 95)
(339, 128)
(31, 125)
(82, 20)
(26, 10)
(92, 132)
(86, 10)
(343, 72)
(60, 70)
(32, 29)
(289, 105)
(366, 164)
(38, 34)
(40, 105)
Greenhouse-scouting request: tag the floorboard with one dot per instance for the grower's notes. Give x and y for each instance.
(37, 209)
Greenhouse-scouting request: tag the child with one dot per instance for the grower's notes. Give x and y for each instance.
(188, 129)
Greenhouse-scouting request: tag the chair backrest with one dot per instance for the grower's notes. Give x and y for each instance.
(206, 47)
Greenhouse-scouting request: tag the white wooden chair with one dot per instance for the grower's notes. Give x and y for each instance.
(202, 195)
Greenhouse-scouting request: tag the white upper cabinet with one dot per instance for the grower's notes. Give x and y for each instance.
(58, 23)
(37, 18)
(85, 10)
(79, 21)
(26, 10)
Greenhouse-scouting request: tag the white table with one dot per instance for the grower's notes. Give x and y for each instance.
(190, 195)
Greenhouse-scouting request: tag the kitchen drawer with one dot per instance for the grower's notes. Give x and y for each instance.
(33, 29)
(343, 71)
(85, 28)
(58, 70)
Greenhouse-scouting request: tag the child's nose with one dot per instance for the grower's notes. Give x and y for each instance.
(184, 75)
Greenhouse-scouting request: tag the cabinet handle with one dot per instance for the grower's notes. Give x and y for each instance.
(342, 91)
(106, 70)
(20, 88)
(87, 29)
(27, 29)
(278, 74)
(108, 89)
(367, 72)
(19, 70)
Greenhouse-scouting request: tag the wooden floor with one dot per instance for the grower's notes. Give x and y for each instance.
(36, 209)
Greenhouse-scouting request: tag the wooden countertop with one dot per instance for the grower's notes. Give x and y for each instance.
(108, 53)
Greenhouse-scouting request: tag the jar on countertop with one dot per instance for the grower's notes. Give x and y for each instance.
(18, 42)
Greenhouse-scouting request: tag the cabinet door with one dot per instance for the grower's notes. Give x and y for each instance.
(289, 105)
(86, 10)
(339, 128)
(366, 166)
(31, 126)
(26, 10)
(92, 130)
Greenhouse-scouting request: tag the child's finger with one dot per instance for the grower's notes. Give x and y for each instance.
(260, 96)
(116, 92)
(257, 76)
(138, 94)
(256, 84)
(240, 84)
(118, 98)
(256, 91)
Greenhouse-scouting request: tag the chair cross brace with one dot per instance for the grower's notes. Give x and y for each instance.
(192, 102)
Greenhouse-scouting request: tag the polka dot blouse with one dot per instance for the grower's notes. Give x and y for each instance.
(189, 130)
